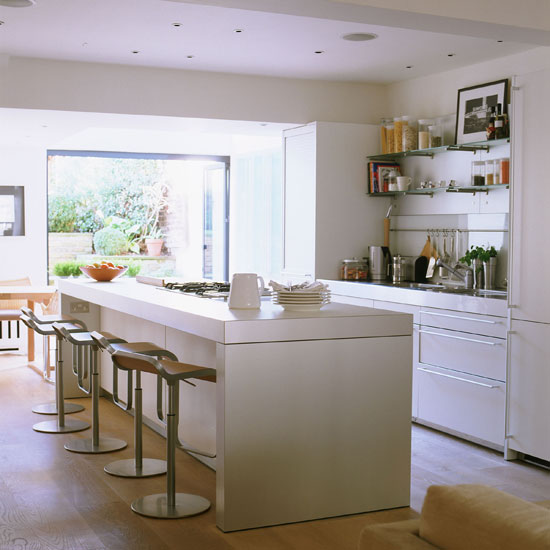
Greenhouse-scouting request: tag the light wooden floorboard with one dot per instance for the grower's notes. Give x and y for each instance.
(53, 499)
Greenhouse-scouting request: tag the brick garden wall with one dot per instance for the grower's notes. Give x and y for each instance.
(66, 246)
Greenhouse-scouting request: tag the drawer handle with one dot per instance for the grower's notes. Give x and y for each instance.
(457, 378)
(460, 338)
(463, 318)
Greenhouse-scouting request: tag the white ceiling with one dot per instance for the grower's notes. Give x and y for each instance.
(274, 44)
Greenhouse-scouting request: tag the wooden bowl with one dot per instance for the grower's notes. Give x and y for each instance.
(103, 274)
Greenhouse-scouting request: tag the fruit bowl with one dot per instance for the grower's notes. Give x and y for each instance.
(103, 273)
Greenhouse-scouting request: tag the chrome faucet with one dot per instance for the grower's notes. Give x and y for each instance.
(467, 276)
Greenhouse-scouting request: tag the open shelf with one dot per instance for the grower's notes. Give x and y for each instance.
(429, 191)
(470, 147)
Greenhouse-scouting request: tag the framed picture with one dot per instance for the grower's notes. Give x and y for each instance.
(12, 211)
(474, 109)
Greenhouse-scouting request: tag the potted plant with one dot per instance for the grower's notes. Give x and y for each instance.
(483, 262)
(154, 241)
(472, 259)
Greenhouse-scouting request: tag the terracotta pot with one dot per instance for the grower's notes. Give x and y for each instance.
(154, 246)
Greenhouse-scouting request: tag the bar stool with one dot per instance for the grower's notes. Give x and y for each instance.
(60, 425)
(169, 505)
(137, 466)
(51, 407)
(95, 445)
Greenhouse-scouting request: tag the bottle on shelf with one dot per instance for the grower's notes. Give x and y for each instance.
(499, 124)
(435, 135)
(504, 171)
(410, 134)
(478, 173)
(490, 131)
(424, 133)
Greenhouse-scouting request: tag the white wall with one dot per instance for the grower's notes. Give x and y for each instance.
(26, 255)
(71, 86)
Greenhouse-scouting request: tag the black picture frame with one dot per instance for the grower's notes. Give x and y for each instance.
(473, 108)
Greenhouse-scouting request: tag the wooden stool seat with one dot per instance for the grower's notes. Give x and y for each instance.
(169, 505)
(95, 444)
(53, 408)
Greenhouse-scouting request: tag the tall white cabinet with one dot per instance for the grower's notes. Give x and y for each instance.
(327, 214)
(528, 426)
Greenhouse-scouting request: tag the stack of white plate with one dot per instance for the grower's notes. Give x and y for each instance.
(296, 300)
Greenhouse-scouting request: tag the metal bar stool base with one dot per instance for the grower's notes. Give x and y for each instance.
(51, 408)
(106, 445)
(127, 468)
(155, 506)
(52, 426)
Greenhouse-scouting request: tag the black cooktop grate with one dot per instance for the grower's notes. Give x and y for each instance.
(198, 288)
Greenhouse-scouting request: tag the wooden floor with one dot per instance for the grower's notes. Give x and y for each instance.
(53, 499)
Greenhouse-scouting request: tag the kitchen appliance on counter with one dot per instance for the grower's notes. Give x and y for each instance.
(402, 269)
(379, 262)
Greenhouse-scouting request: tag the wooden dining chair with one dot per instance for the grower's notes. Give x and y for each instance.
(10, 310)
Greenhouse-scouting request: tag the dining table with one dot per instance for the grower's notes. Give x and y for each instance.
(32, 294)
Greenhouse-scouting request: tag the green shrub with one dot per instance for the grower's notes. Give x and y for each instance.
(61, 214)
(65, 269)
(110, 242)
(133, 269)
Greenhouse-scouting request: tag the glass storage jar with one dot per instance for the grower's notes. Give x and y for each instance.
(505, 171)
(398, 134)
(424, 133)
(410, 134)
(354, 269)
(390, 141)
(478, 173)
(489, 172)
(383, 137)
(436, 135)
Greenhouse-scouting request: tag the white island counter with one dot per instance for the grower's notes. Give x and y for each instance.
(310, 415)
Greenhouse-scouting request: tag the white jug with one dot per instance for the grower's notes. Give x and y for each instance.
(245, 291)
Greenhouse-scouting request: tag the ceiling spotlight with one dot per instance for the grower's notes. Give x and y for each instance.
(17, 3)
(450, 55)
(190, 56)
(500, 41)
(319, 51)
(359, 36)
(1, 22)
(409, 67)
(135, 51)
(238, 31)
(176, 24)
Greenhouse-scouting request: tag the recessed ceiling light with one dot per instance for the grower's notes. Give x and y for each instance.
(17, 3)
(238, 31)
(450, 55)
(500, 41)
(263, 123)
(409, 67)
(190, 56)
(176, 24)
(135, 51)
(1, 22)
(84, 44)
(359, 36)
(319, 51)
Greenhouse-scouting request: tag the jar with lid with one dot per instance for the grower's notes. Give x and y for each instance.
(489, 172)
(436, 135)
(478, 172)
(398, 134)
(504, 171)
(383, 137)
(423, 133)
(390, 140)
(410, 134)
(354, 269)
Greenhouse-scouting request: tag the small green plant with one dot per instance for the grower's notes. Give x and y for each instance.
(478, 253)
(133, 269)
(66, 269)
(110, 242)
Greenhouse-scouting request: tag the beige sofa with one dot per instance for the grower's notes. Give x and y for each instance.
(465, 517)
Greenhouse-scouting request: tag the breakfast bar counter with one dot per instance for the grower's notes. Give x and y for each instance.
(310, 414)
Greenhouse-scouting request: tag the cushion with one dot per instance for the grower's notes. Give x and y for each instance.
(460, 517)
(400, 535)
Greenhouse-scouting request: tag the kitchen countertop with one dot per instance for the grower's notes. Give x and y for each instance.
(489, 304)
(212, 319)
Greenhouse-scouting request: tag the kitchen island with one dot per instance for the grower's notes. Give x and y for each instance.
(310, 415)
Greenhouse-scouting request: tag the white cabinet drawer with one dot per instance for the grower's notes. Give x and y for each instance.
(462, 351)
(465, 322)
(461, 403)
(364, 302)
(402, 308)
